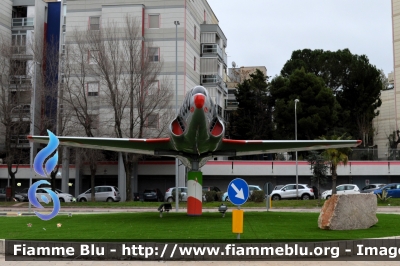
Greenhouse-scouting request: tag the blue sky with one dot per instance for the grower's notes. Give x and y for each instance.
(265, 32)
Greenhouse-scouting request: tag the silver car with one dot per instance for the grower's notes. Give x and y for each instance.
(102, 193)
(341, 189)
(371, 188)
(170, 192)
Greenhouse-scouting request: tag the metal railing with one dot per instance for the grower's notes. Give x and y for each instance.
(214, 49)
(22, 22)
(210, 79)
(19, 139)
(19, 49)
(25, 80)
(21, 108)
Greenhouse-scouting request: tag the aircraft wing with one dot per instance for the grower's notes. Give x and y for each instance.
(142, 146)
(250, 147)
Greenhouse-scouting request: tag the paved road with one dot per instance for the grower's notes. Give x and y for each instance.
(75, 210)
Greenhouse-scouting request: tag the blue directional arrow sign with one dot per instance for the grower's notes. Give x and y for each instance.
(238, 191)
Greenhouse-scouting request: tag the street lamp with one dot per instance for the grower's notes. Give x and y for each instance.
(11, 111)
(295, 133)
(33, 125)
(176, 112)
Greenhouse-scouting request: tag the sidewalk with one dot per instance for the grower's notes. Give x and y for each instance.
(16, 210)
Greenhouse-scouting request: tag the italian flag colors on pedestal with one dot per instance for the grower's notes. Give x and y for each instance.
(194, 201)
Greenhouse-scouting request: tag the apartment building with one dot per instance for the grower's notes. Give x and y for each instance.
(200, 55)
(26, 27)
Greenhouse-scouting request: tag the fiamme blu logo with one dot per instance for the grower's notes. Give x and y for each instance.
(44, 169)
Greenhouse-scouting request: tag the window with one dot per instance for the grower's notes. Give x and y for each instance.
(194, 32)
(154, 54)
(93, 56)
(94, 23)
(154, 21)
(93, 121)
(194, 64)
(152, 121)
(340, 188)
(93, 89)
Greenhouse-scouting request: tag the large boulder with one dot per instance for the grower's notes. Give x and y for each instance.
(348, 212)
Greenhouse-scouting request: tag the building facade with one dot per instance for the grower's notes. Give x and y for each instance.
(26, 29)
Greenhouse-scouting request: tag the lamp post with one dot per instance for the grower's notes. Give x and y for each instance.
(176, 112)
(11, 111)
(32, 126)
(295, 133)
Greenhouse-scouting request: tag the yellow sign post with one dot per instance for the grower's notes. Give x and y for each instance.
(237, 222)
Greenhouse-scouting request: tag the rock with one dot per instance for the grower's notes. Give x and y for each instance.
(348, 212)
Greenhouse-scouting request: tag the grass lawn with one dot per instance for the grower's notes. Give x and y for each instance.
(258, 226)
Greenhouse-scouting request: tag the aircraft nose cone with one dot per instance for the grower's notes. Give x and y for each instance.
(199, 100)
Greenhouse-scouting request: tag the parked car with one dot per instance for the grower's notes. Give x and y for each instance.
(2, 194)
(289, 192)
(170, 193)
(24, 193)
(63, 197)
(153, 195)
(102, 193)
(371, 188)
(393, 190)
(251, 189)
(17, 196)
(341, 189)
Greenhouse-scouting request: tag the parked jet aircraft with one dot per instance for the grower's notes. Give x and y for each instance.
(195, 136)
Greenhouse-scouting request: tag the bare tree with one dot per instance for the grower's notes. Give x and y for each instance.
(129, 69)
(81, 97)
(15, 92)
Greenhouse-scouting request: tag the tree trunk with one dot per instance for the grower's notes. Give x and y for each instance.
(127, 160)
(12, 175)
(334, 177)
(319, 189)
(92, 177)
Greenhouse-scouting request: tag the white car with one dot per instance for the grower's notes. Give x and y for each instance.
(63, 197)
(102, 193)
(251, 189)
(289, 192)
(341, 189)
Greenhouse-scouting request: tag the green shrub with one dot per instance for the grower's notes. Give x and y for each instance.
(210, 196)
(219, 195)
(257, 196)
(384, 196)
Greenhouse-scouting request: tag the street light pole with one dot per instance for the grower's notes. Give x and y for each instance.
(32, 126)
(295, 133)
(11, 111)
(176, 112)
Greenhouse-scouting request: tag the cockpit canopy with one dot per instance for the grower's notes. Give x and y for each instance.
(199, 89)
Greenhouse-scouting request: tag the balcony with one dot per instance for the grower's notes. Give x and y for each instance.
(21, 109)
(22, 22)
(214, 49)
(210, 79)
(21, 83)
(231, 104)
(20, 141)
(19, 52)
